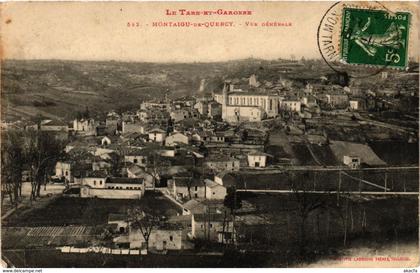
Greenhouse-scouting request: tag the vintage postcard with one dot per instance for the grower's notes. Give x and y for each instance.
(210, 134)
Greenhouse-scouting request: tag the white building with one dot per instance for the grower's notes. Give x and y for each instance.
(63, 170)
(257, 159)
(216, 227)
(293, 105)
(202, 107)
(186, 187)
(175, 139)
(84, 126)
(138, 157)
(246, 106)
(352, 161)
(157, 135)
(133, 127)
(112, 188)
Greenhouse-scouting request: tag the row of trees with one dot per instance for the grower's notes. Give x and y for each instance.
(36, 153)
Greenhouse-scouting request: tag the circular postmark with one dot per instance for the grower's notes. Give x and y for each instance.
(350, 47)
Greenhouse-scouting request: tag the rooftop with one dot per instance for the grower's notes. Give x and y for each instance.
(124, 180)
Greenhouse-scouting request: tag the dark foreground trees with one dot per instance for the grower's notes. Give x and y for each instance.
(42, 152)
(12, 160)
(33, 151)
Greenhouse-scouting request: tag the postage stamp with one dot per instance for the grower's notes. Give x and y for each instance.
(375, 37)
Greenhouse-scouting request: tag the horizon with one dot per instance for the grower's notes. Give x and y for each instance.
(297, 59)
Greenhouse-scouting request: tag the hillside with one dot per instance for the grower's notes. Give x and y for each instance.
(60, 88)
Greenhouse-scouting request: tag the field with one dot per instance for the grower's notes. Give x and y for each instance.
(397, 153)
(51, 236)
(351, 180)
(372, 224)
(376, 220)
(88, 211)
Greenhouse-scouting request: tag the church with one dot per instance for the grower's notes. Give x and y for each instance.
(239, 105)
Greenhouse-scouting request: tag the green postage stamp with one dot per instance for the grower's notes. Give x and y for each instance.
(375, 37)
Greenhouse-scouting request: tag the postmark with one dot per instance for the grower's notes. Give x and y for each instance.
(375, 37)
(345, 56)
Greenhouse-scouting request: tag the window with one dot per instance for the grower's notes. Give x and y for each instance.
(195, 188)
(171, 238)
(211, 225)
(67, 173)
(94, 182)
(214, 193)
(135, 160)
(100, 182)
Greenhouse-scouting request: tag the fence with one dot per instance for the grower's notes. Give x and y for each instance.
(103, 250)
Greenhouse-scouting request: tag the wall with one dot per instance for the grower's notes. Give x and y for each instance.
(110, 193)
(94, 182)
(294, 106)
(157, 137)
(245, 113)
(140, 159)
(196, 192)
(210, 230)
(216, 192)
(223, 165)
(129, 127)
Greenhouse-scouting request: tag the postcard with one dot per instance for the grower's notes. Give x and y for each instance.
(215, 134)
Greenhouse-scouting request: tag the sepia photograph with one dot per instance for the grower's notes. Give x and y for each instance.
(209, 134)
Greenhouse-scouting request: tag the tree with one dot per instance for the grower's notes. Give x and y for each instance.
(306, 203)
(83, 114)
(42, 152)
(232, 201)
(153, 167)
(143, 221)
(116, 163)
(12, 160)
(244, 135)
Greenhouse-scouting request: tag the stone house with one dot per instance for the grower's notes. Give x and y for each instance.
(176, 138)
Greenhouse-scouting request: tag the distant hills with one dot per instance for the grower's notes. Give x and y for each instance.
(58, 89)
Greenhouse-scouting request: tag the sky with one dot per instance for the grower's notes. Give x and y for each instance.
(99, 31)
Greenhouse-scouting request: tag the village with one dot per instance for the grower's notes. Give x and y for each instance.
(212, 172)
